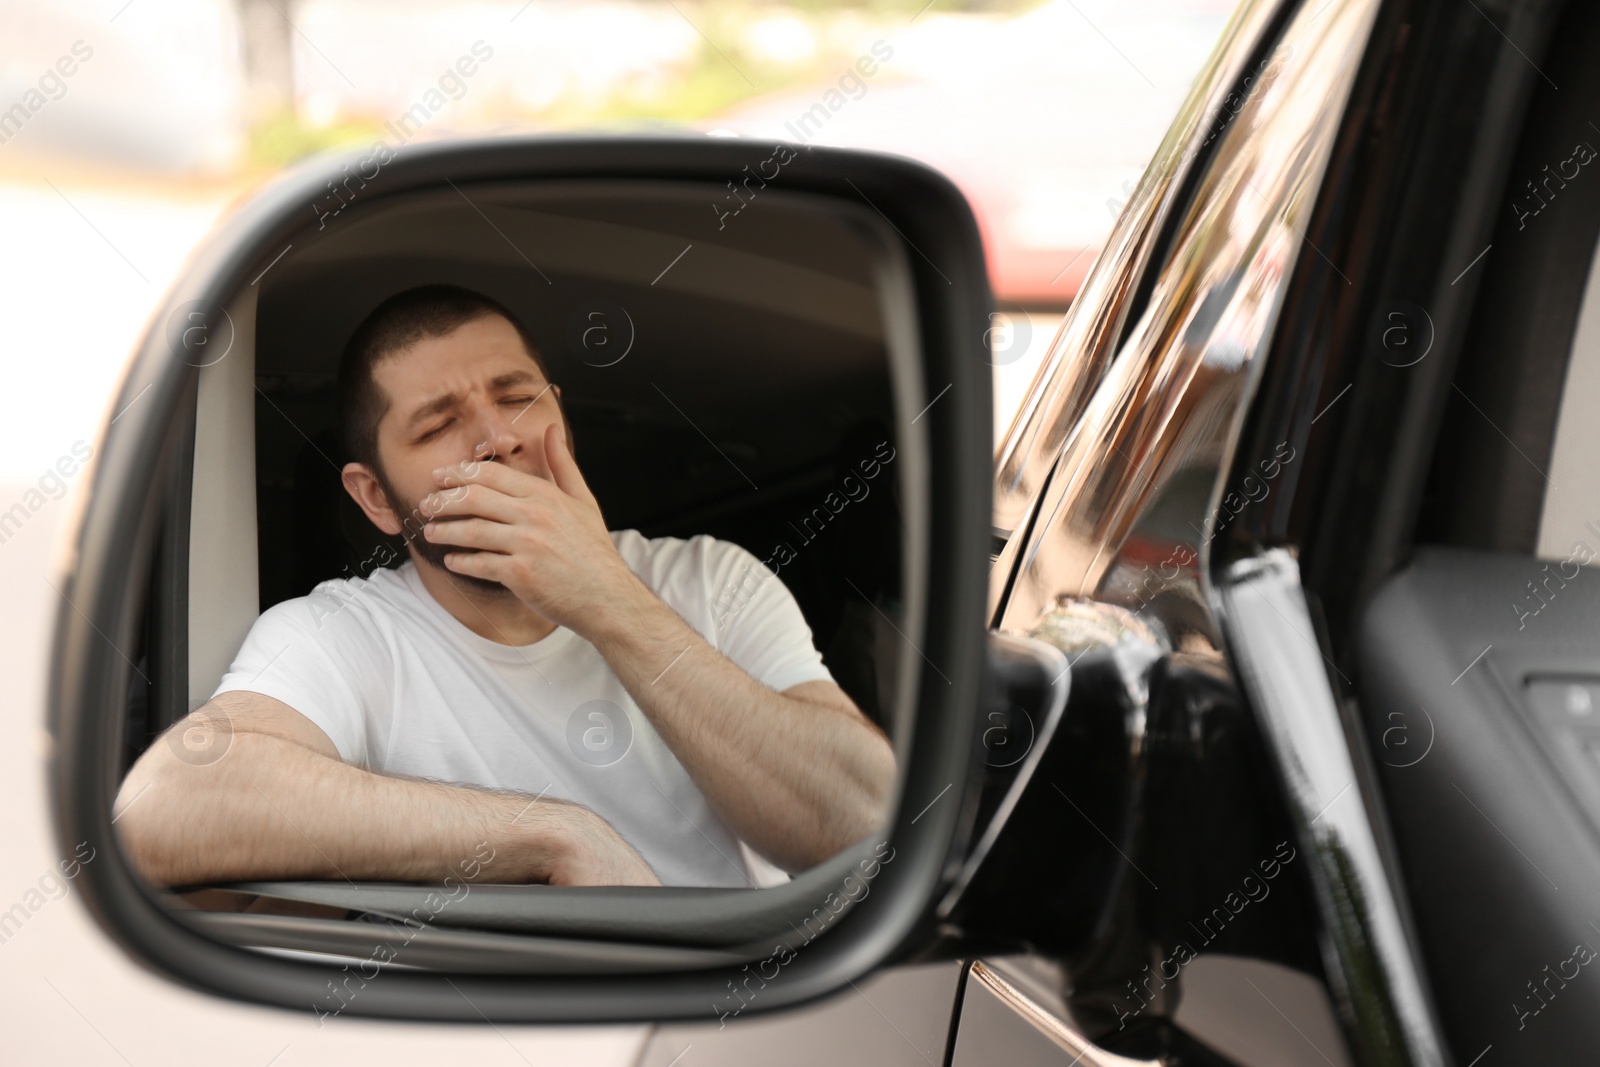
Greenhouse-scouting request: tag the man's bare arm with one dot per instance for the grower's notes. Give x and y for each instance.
(799, 774)
(279, 803)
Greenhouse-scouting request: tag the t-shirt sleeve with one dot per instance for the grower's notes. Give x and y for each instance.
(297, 652)
(758, 624)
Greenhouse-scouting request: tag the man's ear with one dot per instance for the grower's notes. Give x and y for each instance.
(363, 487)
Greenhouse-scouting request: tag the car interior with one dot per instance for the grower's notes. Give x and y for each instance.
(739, 384)
(1480, 670)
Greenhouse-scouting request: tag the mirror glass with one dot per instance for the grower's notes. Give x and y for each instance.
(534, 534)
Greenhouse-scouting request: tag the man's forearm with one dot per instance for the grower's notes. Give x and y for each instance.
(797, 780)
(273, 808)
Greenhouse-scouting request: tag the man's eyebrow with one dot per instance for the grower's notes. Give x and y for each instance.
(446, 401)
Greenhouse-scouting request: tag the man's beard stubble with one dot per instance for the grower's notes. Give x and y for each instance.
(433, 552)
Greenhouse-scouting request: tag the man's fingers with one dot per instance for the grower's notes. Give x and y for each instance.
(471, 533)
(563, 468)
(469, 500)
(495, 475)
(490, 565)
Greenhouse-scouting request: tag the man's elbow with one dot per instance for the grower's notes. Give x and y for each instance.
(148, 815)
(145, 849)
(867, 811)
(880, 785)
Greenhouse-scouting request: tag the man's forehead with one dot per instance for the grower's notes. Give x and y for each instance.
(486, 339)
(413, 387)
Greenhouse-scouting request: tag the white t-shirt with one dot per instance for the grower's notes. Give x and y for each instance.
(400, 685)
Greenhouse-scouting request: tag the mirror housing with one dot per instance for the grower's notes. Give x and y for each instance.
(594, 972)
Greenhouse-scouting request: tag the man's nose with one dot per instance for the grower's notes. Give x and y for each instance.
(496, 440)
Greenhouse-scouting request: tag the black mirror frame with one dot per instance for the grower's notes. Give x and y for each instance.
(108, 555)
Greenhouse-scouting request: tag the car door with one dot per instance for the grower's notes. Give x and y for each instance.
(1472, 645)
(1388, 508)
(1186, 881)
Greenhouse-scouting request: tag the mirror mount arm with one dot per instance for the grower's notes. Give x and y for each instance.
(1024, 700)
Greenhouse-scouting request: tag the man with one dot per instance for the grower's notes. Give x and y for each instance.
(574, 698)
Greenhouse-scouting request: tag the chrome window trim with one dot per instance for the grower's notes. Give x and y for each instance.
(1171, 400)
(1085, 343)
(1283, 672)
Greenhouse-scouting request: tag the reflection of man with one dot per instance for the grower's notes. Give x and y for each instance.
(527, 678)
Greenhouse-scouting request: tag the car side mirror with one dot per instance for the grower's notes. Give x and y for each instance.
(778, 299)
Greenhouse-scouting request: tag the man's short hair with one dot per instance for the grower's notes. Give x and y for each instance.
(400, 321)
